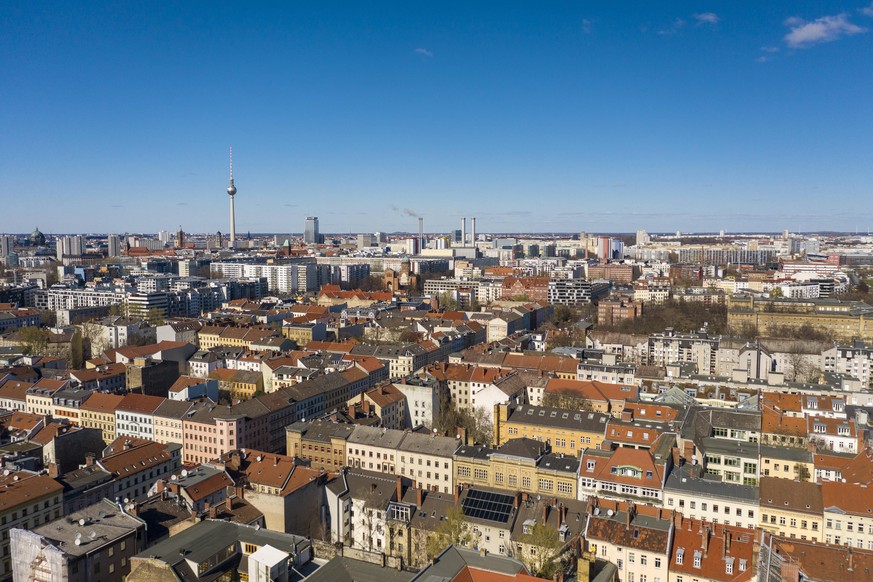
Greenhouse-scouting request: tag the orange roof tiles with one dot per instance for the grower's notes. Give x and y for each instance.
(99, 402)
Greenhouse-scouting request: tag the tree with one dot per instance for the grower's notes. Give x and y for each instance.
(776, 292)
(48, 317)
(92, 333)
(447, 302)
(802, 471)
(77, 350)
(452, 531)
(34, 340)
(371, 512)
(155, 316)
(543, 546)
(553, 400)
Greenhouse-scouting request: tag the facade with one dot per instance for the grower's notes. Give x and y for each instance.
(846, 320)
(567, 432)
(135, 415)
(322, 443)
(137, 464)
(792, 509)
(714, 501)
(29, 500)
(99, 412)
(64, 549)
(521, 464)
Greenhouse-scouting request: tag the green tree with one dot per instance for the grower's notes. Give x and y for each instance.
(155, 316)
(34, 340)
(543, 562)
(77, 350)
(453, 530)
(776, 292)
(565, 402)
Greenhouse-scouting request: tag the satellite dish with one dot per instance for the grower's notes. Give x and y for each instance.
(78, 536)
(259, 458)
(610, 512)
(126, 500)
(93, 535)
(6, 473)
(78, 542)
(173, 478)
(82, 521)
(184, 472)
(596, 511)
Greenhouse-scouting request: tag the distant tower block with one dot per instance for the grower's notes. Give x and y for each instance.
(231, 191)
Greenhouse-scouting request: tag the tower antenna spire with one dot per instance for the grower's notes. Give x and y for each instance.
(231, 191)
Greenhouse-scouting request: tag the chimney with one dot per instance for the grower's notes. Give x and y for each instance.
(688, 451)
(419, 498)
(366, 407)
(53, 471)
(464, 231)
(228, 503)
(352, 410)
(89, 459)
(705, 541)
(399, 488)
(240, 492)
(516, 500)
(627, 415)
(727, 542)
(629, 515)
(457, 489)
(213, 512)
(545, 511)
(473, 232)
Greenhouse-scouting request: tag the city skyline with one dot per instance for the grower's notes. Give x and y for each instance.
(587, 117)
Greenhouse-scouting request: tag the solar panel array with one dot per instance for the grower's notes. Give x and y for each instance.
(487, 505)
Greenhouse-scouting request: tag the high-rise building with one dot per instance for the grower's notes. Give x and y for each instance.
(310, 231)
(113, 246)
(642, 238)
(6, 244)
(70, 246)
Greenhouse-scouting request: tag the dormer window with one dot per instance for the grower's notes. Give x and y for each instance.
(698, 557)
(680, 555)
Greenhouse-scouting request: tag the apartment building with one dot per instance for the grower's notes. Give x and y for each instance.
(567, 432)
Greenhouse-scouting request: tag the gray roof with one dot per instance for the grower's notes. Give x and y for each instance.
(558, 417)
(454, 559)
(321, 430)
(377, 437)
(208, 537)
(691, 479)
(104, 524)
(342, 569)
(428, 444)
(173, 409)
(793, 454)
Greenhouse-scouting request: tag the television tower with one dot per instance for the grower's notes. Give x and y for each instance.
(231, 191)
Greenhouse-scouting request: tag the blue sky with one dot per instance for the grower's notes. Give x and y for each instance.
(544, 117)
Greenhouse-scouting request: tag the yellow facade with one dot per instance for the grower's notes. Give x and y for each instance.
(563, 440)
(513, 475)
(845, 320)
(792, 524)
(105, 421)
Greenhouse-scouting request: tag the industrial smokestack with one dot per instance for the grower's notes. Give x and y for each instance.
(473, 232)
(464, 231)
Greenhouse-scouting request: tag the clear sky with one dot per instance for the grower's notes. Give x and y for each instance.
(532, 116)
